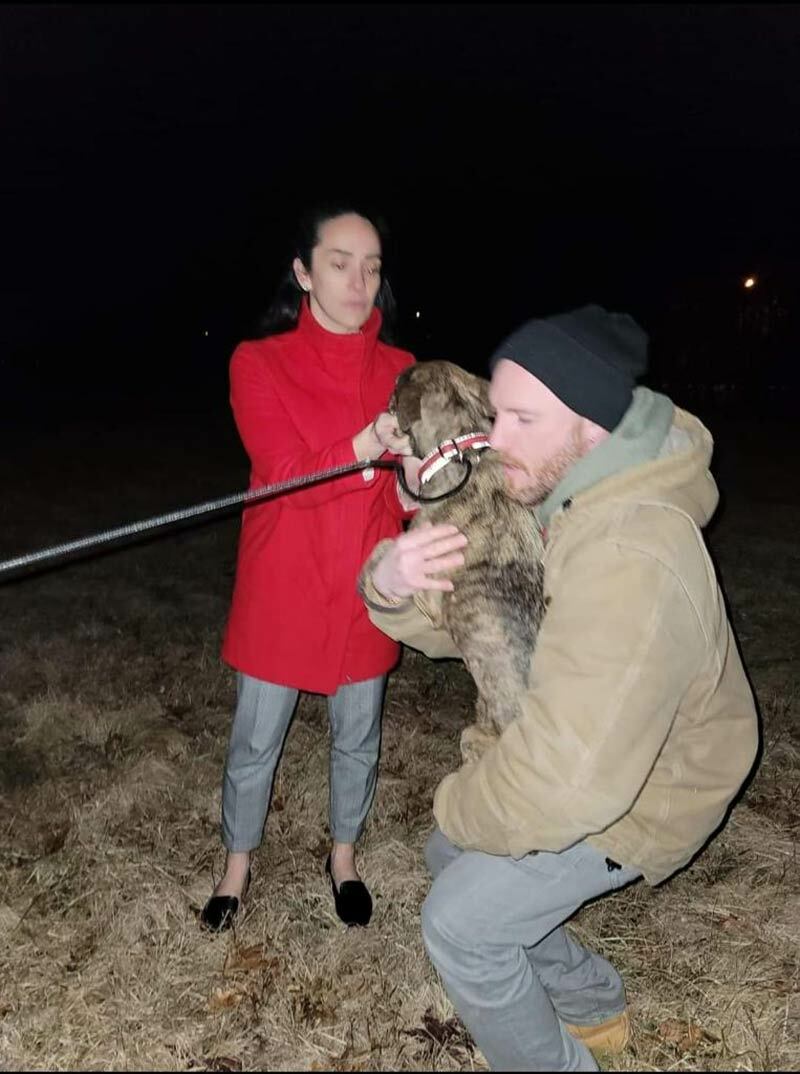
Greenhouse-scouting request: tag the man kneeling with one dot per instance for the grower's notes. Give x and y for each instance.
(638, 727)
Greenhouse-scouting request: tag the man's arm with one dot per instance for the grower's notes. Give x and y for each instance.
(606, 681)
(402, 582)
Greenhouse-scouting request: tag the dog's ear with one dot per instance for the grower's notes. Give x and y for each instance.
(476, 390)
(406, 405)
(485, 408)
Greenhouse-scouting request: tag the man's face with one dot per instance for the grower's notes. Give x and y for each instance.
(538, 436)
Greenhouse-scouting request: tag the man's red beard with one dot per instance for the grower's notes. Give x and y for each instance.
(547, 476)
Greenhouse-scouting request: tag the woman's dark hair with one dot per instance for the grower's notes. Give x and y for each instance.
(284, 310)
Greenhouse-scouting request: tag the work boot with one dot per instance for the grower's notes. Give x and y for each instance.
(610, 1036)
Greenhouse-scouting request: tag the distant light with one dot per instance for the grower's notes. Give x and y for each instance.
(206, 331)
(750, 282)
(417, 314)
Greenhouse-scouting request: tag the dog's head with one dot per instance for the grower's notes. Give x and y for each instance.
(435, 401)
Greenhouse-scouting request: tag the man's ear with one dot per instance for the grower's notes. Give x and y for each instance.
(593, 434)
(301, 275)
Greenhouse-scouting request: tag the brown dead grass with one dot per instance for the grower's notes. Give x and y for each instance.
(115, 713)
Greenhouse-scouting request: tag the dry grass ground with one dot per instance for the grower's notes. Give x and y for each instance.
(115, 713)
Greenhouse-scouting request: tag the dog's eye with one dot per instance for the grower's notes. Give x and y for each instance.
(400, 429)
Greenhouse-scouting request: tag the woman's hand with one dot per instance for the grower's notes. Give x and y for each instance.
(380, 436)
(415, 557)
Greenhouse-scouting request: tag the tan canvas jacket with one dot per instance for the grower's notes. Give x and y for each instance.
(639, 726)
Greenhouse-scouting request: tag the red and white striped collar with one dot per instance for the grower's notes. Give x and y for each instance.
(437, 459)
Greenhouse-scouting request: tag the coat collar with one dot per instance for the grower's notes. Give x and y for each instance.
(336, 346)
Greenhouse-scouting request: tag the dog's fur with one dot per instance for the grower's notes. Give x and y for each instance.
(494, 613)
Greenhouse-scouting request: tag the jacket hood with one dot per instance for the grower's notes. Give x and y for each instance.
(658, 454)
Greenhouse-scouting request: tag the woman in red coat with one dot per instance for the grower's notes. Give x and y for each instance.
(311, 395)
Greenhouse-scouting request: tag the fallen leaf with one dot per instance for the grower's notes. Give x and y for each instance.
(731, 921)
(249, 959)
(685, 1035)
(434, 1030)
(224, 998)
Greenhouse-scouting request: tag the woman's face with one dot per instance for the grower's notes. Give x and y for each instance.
(345, 273)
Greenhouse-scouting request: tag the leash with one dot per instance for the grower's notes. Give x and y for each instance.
(133, 529)
(263, 492)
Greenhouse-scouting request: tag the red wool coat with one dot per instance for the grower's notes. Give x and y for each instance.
(298, 400)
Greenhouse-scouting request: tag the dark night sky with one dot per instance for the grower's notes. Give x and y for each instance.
(527, 157)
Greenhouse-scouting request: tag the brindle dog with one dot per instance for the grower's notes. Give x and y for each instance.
(494, 612)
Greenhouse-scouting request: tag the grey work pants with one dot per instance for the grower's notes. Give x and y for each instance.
(493, 928)
(263, 714)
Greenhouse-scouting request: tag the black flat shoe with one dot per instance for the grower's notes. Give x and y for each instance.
(353, 901)
(219, 912)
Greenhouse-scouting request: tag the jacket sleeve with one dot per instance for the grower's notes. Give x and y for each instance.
(411, 622)
(606, 681)
(276, 450)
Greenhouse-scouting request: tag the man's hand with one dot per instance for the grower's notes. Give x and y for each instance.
(415, 557)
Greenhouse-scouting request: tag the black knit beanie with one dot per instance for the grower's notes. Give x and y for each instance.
(589, 358)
